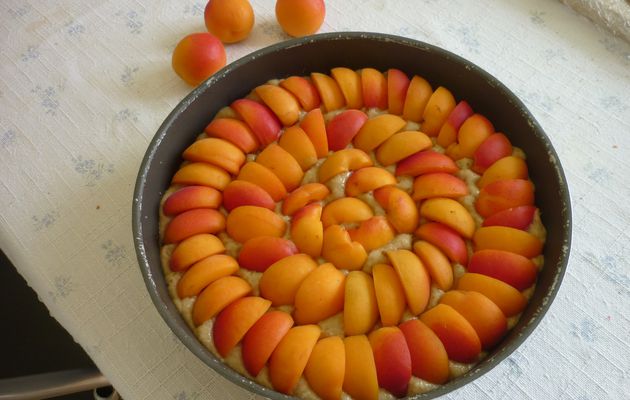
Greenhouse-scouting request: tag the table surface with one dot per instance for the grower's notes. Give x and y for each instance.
(83, 88)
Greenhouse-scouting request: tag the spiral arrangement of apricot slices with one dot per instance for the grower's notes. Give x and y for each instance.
(363, 196)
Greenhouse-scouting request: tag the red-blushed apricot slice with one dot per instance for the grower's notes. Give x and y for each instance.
(307, 230)
(320, 295)
(513, 269)
(289, 359)
(262, 121)
(350, 84)
(329, 91)
(397, 85)
(373, 233)
(346, 210)
(426, 162)
(303, 90)
(448, 131)
(374, 88)
(281, 163)
(303, 196)
(314, 126)
(401, 210)
(217, 152)
(392, 359)
(343, 161)
(235, 131)
(520, 217)
(262, 338)
(450, 213)
(360, 310)
(401, 145)
(429, 360)
(508, 299)
(259, 253)
(281, 281)
(437, 110)
(360, 381)
(414, 278)
(326, 368)
(218, 295)
(492, 149)
(507, 239)
(459, 338)
(235, 320)
(436, 263)
(377, 130)
(485, 317)
(504, 194)
(510, 167)
(262, 176)
(243, 193)
(390, 295)
(191, 197)
(247, 222)
(193, 249)
(295, 141)
(445, 239)
(193, 222)
(339, 249)
(204, 272)
(418, 94)
(281, 102)
(203, 174)
(368, 179)
(344, 127)
(438, 184)
(474, 131)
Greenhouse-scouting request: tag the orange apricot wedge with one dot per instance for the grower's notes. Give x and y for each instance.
(218, 295)
(414, 278)
(326, 368)
(235, 320)
(281, 281)
(262, 176)
(374, 88)
(329, 91)
(204, 272)
(360, 380)
(360, 310)
(437, 110)
(401, 145)
(314, 126)
(350, 84)
(262, 339)
(437, 264)
(194, 249)
(307, 230)
(281, 102)
(193, 222)
(429, 360)
(343, 161)
(340, 250)
(346, 210)
(247, 222)
(289, 358)
(320, 295)
(297, 143)
(304, 195)
(508, 299)
(303, 90)
(507, 239)
(377, 130)
(201, 173)
(401, 210)
(418, 95)
(281, 163)
(191, 197)
(390, 295)
(368, 179)
(217, 152)
(450, 213)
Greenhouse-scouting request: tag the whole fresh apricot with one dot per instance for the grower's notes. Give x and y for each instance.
(229, 20)
(300, 17)
(197, 56)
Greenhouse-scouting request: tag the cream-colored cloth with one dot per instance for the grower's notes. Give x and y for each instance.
(85, 85)
(613, 15)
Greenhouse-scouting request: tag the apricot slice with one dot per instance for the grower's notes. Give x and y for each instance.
(303, 196)
(329, 91)
(445, 239)
(438, 184)
(281, 163)
(247, 222)
(507, 239)
(397, 85)
(401, 145)
(307, 230)
(374, 88)
(372, 233)
(243, 193)
(448, 131)
(520, 217)
(191, 197)
(390, 295)
(346, 210)
(218, 295)
(377, 130)
(426, 162)
(314, 126)
(281, 281)
(492, 149)
(281, 102)
(340, 250)
(193, 222)
(484, 316)
(416, 100)
(474, 131)
(436, 263)
(343, 161)
(360, 310)
(289, 359)
(367, 179)
(437, 110)
(508, 299)
(360, 379)
(235, 320)
(200, 173)
(259, 253)
(343, 128)
(295, 141)
(262, 121)
(504, 194)
(429, 360)
(235, 131)
(262, 338)
(303, 90)
(217, 152)
(510, 167)
(392, 359)
(350, 85)
(456, 334)
(450, 213)
(513, 269)
(414, 278)
(326, 368)
(320, 295)
(204, 272)
(193, 249)
(262, 176)
(401, 210)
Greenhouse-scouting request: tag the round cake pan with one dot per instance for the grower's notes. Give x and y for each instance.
(321, 53)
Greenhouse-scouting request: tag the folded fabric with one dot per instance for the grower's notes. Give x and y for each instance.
(613, 15)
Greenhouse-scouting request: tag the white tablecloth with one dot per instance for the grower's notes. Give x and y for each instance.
(83, 88)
